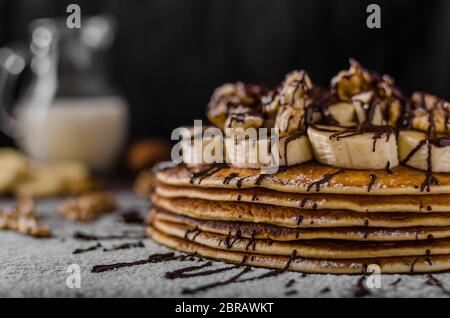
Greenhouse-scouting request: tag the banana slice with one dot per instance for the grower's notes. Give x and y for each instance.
(344, 113)
(414, 151)
(13, 165)
(202, 150)
(247, 153)
(346, 148)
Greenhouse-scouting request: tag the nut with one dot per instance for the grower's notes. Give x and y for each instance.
(88, 207)
(228, 97)
(291, 102)
(351, 82)
(430, 113)
(24, 219)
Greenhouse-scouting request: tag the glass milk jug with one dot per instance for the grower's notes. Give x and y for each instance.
(55, 99)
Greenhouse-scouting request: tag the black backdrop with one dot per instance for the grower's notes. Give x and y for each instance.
(170, 54)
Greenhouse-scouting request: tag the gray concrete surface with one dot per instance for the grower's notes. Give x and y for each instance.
(32, 267)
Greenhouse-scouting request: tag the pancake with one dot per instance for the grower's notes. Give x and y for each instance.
(310, 178)
(293, 217)
(358, 203)
(307, 265)
(279, 233)
(328, 249)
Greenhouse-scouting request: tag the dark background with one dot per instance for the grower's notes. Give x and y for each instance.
(170, 54)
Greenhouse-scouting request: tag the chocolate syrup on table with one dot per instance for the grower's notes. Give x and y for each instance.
(433, 281)
(216, 284)
(91, 237)
(395, 283)
(155, 258)
(327, 177)
(290, 283)
(181, 273)
(125, 246)
(88, 249)
(360, 289)
(274, 272)
(187, 271)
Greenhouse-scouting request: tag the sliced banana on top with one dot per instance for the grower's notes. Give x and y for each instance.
(416, 149)
(247, 153)
(351, 149)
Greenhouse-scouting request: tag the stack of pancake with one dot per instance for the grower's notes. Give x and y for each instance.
(321, 215)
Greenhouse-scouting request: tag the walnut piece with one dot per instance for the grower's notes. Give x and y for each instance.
(291, 102)
(351, 82)
(88, 207)
(236, 105)
(429, 109)
(24, 219)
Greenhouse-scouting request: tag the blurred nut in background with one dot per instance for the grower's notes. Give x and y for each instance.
(145, 153)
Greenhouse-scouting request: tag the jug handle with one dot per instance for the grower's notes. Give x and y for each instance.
(12, 63)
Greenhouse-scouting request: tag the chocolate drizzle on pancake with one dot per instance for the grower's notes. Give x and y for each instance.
(230, 177)
(229, 240)
(388, 168)
(195, 232)
(205, 173)
(260, 179)
(252, 241)
(429, 178)
(326, 178)
(373, 178)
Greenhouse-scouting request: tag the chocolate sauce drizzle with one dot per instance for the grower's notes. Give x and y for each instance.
(205, 173)
(88, 249)
(91, 237)
(373, 178)
(433, 281)
(360, 289)
(252, 241)
(230, 177)
(396, 282)
(388, 168)
(216, 284)
(195, 231)
(125, 246)
(327, 177)
(155, 258)
(187, 271)
(274, 272)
